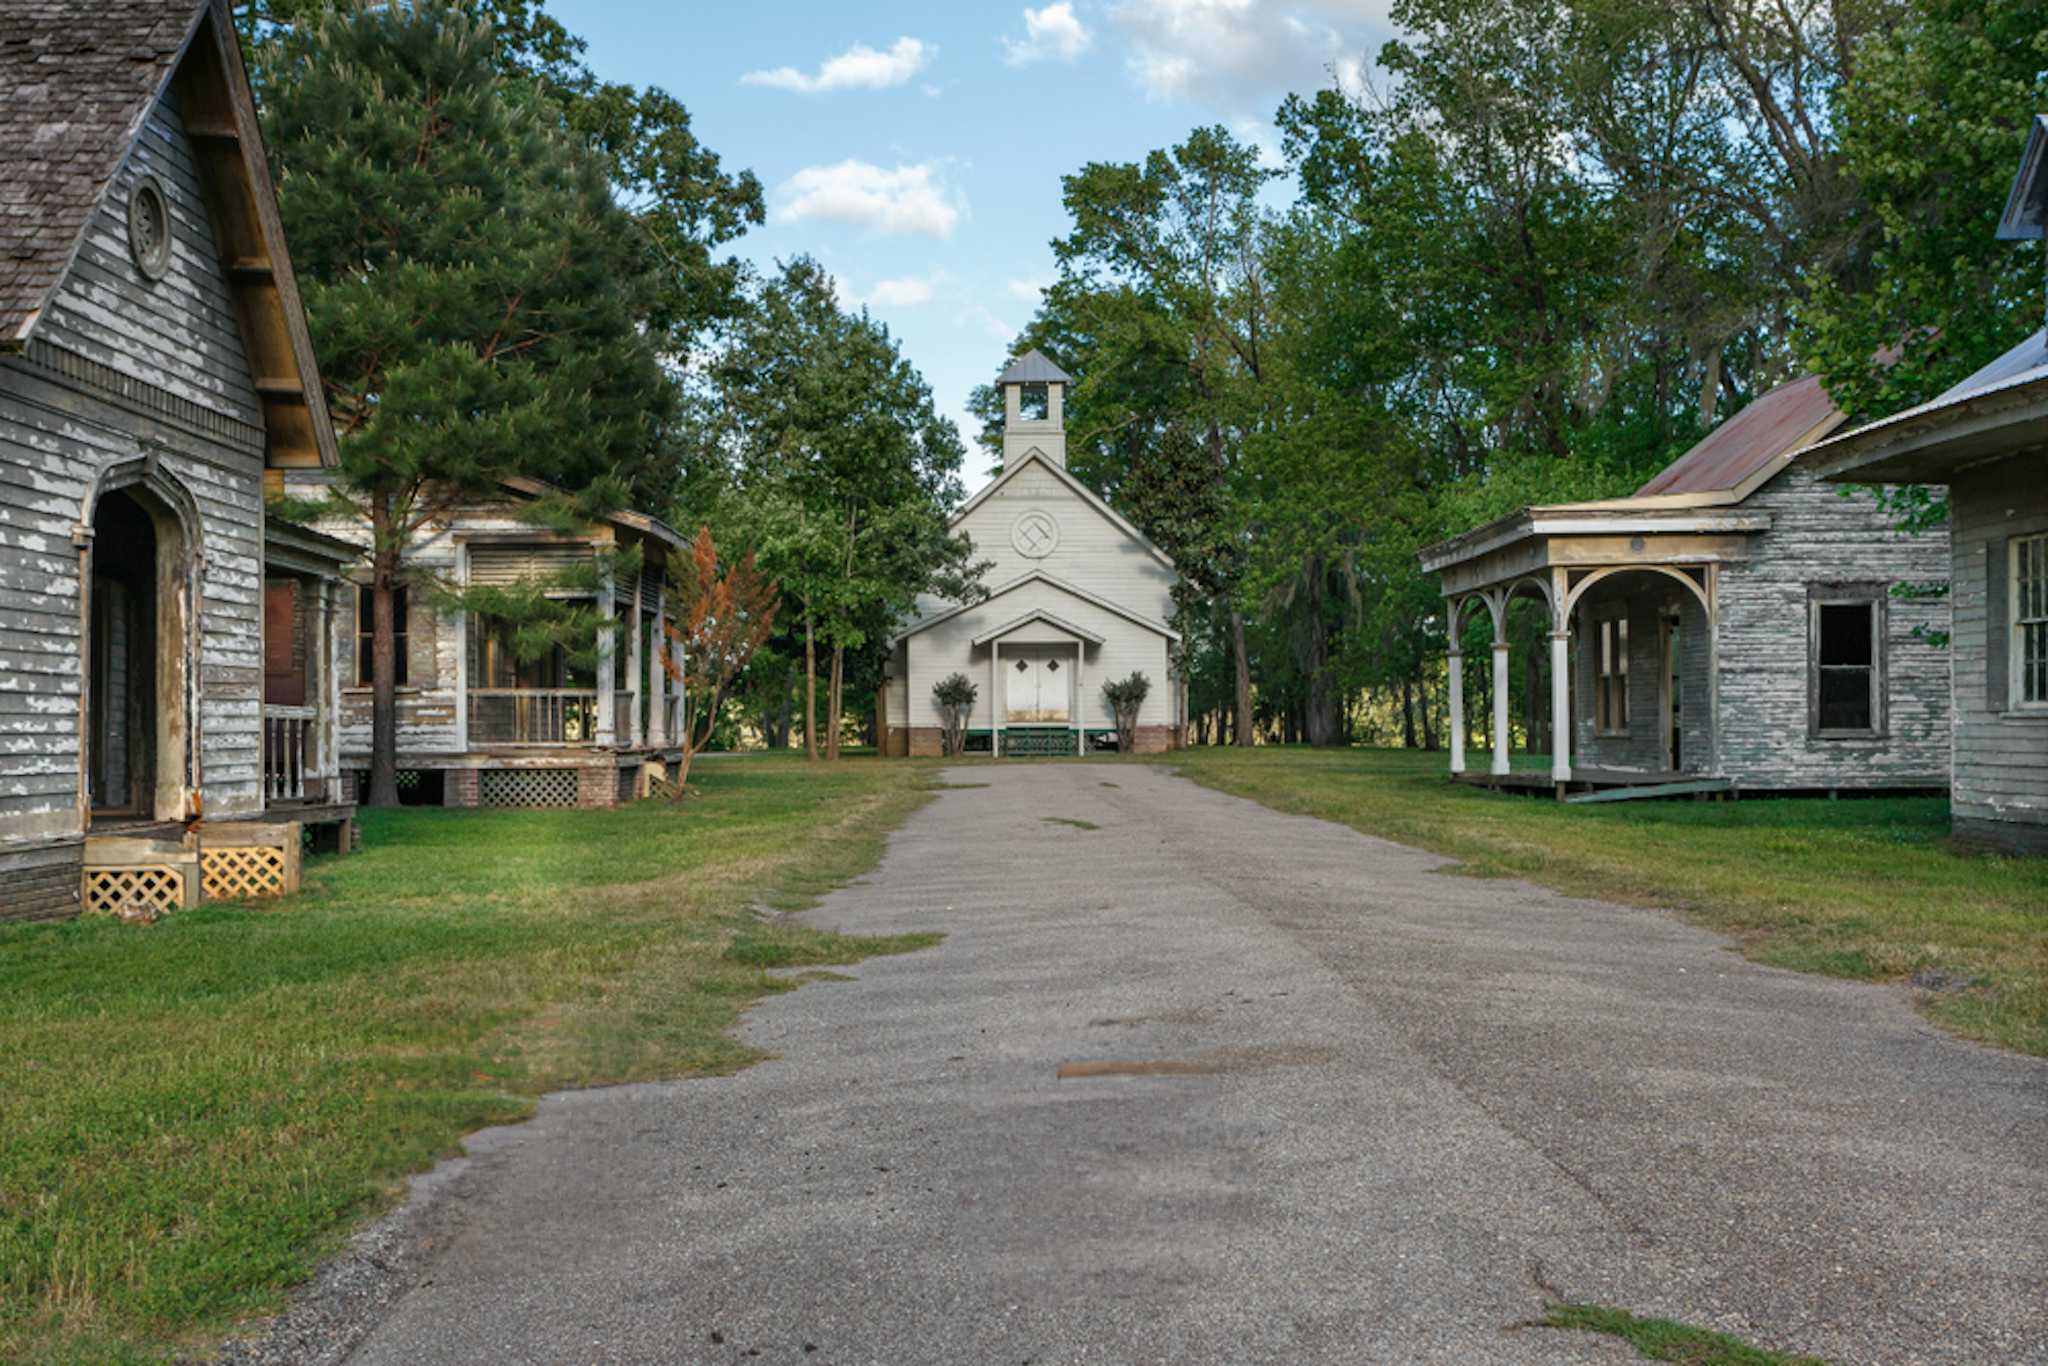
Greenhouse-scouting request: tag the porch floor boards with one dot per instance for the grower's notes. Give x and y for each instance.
(1607, 782)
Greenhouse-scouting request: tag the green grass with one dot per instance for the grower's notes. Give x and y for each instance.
(1071, 821)
(1866, 888)
(1663, 1340)
(195, 1112)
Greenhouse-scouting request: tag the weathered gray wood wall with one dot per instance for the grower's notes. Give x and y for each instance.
(1820, 535)
(121, 364)
(1817, 535)
(2001, 756)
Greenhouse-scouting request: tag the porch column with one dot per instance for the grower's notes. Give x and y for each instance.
(1457, 708)
(604, 733)
(995, 678)
(1081, 697)
(658, 730)
(635, 679)
(1560, 680)
(329, 649)
(1500, 704)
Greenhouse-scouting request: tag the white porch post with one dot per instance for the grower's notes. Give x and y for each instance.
(1560, 680)
(1080, 699)
(659, 730)
(607, 643)
(330, 691)
(995, 711)
(1457, 685)
(635, 683)
(1500, 700)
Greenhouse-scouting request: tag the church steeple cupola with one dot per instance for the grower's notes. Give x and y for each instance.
(1034, 408)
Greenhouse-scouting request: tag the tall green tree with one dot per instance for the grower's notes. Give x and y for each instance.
(478, 301)
(845, 475)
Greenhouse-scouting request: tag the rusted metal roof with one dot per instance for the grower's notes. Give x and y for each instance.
(77, 77)
(1744, 445)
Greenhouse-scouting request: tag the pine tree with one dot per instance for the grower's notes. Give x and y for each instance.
(476, 297)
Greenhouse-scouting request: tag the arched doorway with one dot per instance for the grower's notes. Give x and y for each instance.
(137, 663)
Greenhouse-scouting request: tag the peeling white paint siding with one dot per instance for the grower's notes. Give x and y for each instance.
(187, 393)
(2001, 756)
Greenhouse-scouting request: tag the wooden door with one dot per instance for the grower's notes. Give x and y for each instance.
(284, 661)
(1037, 685)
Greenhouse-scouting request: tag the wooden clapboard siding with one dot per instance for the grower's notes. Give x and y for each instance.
(1644, 599)
(1094, 555)
(946, 649)
(178, 334)
(1819, 535)
(2001, 757)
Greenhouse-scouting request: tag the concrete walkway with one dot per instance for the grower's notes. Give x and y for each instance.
(1400, 1101)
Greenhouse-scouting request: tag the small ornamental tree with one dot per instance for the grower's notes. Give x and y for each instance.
(955, 695)
(1125, 696)
(724, 617)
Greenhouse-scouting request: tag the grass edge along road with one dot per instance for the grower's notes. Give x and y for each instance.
(1864, 888)
(197, 1111)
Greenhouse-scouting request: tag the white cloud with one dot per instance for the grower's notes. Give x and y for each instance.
(1237, 51)
(1053, 31)
(903, 199)
(908, 292)
(860, 67)
(1027, 291)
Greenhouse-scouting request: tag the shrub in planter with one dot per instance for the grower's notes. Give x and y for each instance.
(955, 695)
(1124, 696)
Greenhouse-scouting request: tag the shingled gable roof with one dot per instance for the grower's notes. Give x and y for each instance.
(78, 79)
(1033, 367)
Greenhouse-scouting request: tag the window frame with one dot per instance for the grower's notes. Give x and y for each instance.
(1876, 597)
(1605, 682)
(366, 631)
(2016, 699)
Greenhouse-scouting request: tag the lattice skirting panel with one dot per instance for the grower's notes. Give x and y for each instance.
(109, 891)
(526, 787)
(236, 873)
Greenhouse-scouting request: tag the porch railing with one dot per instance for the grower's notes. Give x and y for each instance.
(290, 769)
(532, 716)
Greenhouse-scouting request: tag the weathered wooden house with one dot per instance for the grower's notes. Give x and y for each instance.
(154, 369)
(1077, 597)
(1987, 440)
(477, 725)
(1732, 625)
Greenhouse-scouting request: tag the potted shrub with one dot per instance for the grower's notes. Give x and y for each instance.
(1125, 696)
(955, 695)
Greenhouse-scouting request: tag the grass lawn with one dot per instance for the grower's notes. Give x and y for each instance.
(193, 1112)
(1864, 888)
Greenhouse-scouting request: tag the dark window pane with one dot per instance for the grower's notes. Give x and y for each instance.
(1845, 699)
(1845, 633)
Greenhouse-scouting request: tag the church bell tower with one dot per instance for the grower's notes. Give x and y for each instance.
(1034, 409)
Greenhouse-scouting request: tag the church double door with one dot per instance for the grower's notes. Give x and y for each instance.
(1038, 683)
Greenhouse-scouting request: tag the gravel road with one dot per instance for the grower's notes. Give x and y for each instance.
(1325, 1101)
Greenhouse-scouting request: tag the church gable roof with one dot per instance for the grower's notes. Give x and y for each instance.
(1036, 459)
(1059, 585)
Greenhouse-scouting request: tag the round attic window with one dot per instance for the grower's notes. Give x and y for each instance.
(149, 227)
(1035, 534)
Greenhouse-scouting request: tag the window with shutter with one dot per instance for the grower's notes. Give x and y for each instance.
(2028, 607)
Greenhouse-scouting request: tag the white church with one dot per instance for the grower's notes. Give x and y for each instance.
(1076, 597)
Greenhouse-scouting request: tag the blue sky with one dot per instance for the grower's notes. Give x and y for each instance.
(916, 149)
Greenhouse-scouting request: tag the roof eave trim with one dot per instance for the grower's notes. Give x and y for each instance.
(1036, 576)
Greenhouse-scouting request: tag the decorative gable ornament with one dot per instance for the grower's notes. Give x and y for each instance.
(1035, 534)
(149, 227)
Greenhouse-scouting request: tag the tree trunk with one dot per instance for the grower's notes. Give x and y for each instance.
(835, 703)
(810, 687)
(383, 660)
(1241, 720)
(1407, 714)
(1428, 709)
